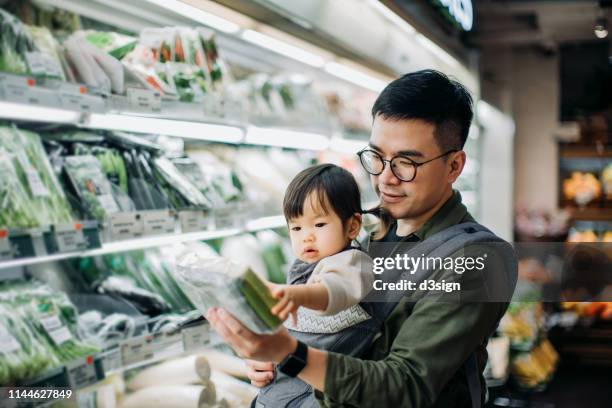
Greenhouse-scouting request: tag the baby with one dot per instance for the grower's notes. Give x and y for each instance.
(327, 281)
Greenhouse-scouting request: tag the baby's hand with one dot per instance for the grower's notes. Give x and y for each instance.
(287, 304)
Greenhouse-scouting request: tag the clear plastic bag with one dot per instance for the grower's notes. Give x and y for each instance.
(220, 282)
(91, 185)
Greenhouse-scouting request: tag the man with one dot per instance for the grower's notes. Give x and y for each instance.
(421, 123)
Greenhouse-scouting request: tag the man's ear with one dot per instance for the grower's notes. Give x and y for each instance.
(456, 162)
(354, 225)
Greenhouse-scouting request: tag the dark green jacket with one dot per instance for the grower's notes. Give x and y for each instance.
(418, 359)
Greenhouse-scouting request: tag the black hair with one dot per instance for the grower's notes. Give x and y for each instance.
(333, 185)
(431, 96)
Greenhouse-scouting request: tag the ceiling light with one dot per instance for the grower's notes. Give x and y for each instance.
(601, 28)
(437, 50)
(357, 77)
(178, 128)
(198, 15)
(286, 138)
(391, 16)
(347, 146)
(283, 48)
(18, 111)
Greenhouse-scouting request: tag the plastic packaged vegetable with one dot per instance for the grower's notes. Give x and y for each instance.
(174, 179)
(220, 282)
(15, 42)
(47, 203)
(21, 354)
(91, 185)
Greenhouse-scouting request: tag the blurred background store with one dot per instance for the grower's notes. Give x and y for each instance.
(134, 130)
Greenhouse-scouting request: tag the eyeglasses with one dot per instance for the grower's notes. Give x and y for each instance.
(402, 167)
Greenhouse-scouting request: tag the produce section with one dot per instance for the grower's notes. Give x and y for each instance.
(130, 138)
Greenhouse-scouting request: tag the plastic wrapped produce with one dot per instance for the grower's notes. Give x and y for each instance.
(15, 42)
(47, 203)
(86, 67)
(52, 319)
(174, 179)
(115, 44)
(17, 210)
(21, 354)
(46, 60)
(220, 282)
(91, 185)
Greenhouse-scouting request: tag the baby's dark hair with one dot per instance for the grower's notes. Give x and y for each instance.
(333, 186)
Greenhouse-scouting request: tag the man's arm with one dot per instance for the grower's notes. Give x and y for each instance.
(430, 348)
(432, 344)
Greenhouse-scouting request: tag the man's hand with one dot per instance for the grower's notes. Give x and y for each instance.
(261, 347)
(260, 373)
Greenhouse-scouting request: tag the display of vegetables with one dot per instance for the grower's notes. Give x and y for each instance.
(29, 189)
(37, 331)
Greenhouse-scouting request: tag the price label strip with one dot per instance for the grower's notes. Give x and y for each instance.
(83, 372)
(194, 221)
(70, 237)
(196, 337)
(137, 350)
(158, 222)
(126, 225)
(144, 99)
(6, 252)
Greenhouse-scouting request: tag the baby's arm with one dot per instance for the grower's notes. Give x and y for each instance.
(310, 295)
(348, 278)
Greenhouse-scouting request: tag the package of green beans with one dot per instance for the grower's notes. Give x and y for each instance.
(220, 282)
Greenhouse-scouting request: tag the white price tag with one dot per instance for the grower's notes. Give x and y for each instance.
(5, 245)
(107, 201)
(21, 90)
(70, 237)
(43, 64)
(194, 221)
(195, 337)
(37, 187)
(225, 218)
(158, 222)
(144, 99)
(56, 330)
(167, 345)
(82, 372)
(112, 359)
(8, 344)
(125, 225)
(137, 350)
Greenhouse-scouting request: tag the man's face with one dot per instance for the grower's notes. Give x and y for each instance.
(413, 139)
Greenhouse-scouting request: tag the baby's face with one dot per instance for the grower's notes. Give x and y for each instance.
(317, 234)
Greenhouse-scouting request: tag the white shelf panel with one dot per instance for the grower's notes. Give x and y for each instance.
(257, 224)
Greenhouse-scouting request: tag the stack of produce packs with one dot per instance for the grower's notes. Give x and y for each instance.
(38, 331)
(30, 194)
(180, 63)
(220, 282)
(28, 50)
(284, 98)
(118, 172)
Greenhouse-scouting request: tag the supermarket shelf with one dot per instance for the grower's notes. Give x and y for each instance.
(592, 214)
(571, 151)
(152, 241)
(212, 120)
